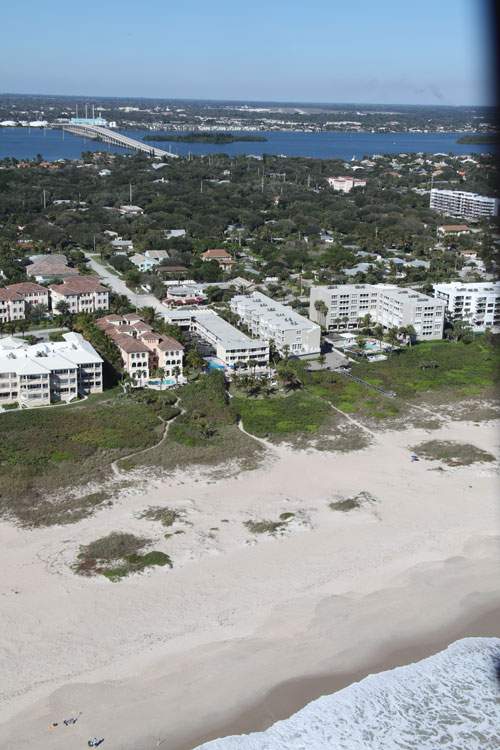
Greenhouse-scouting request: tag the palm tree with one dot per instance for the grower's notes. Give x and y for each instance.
(177, 372)
(366, 321)
(378, 332)
(126, 382)
(322, 310)
(288, 377)
(65, 313)
(150, 315)
(392, 336)
(360, 342)
(160, 371)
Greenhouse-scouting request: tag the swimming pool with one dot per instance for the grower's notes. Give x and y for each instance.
(164, 381)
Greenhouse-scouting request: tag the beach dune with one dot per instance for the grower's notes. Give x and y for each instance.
(245, 630)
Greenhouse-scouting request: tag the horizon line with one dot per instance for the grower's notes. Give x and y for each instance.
(249, 101)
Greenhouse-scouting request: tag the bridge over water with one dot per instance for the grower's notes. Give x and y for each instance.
(99, 133)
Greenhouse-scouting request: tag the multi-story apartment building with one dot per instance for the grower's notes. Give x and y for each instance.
(143, 350)
(476, 303)
(48, 372)
(345, 184)
(15, 297)
(463, 205)
(273, 321)
(230, 345)
(342, 307)
(81, 293)
(12, 306)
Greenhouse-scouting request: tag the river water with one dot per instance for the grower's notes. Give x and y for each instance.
(26, 143)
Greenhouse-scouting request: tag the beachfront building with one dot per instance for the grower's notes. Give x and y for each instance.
(230, 345)
(343, 307)
(15, 298)
(476, 303)
(274, 321)
(48, 372)
(143, 350)
(81, 293)
(345, 184)
(463, 205)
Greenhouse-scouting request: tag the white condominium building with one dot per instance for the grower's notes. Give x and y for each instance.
(476, 303)
(463, 205)
(273, 321)
(230, 345)
(345, 184)
(344, 306)
(45, 373)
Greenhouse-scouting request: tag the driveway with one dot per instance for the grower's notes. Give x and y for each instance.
(119, 286)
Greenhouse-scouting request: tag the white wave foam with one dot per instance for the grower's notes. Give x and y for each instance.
(449, 701)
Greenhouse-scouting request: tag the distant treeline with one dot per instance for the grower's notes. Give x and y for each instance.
(486, 138)
(217, 138)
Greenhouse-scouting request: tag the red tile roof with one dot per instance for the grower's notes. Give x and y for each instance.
(216, 253)
(78, 285)
(28, 287)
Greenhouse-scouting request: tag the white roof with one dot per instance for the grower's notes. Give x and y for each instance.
(18, 356)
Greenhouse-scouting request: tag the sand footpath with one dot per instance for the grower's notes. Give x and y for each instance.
(246, 628)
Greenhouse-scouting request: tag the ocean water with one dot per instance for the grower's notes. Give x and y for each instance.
(26, 143)
(450, 701)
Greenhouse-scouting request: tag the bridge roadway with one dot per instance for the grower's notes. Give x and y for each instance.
(96, 132)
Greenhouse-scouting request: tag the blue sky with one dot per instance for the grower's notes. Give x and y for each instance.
(385, 51)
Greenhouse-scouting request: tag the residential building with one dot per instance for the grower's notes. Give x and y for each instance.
(129, 210)
(121, 245)
(463, 205)
(477, 303)
(81, 293)
(12, 306)
(273, 321)
(48, 372)
(230, 345)
(45, 268)
(143, 263)
(220, 255)
(345, 184)
(15, 297)
(344, 306)
(173, 233)
(142, 349)
(159, 255)
(457, 230)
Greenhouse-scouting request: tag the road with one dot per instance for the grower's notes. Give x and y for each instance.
(119, 286)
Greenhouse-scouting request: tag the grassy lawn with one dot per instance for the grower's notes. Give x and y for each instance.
(45, 454)
(463, 369)
(47, 450)
(206, 433)
(281, 416)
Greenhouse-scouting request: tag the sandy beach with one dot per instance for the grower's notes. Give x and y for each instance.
(247, 628)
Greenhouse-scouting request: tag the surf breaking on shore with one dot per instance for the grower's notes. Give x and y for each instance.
(449, 700)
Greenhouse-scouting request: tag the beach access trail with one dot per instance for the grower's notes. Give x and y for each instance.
(247, 627)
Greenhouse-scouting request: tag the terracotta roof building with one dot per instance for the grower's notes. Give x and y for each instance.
(82, 294)
(220, 255)
(142, 349)
(14, 298)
